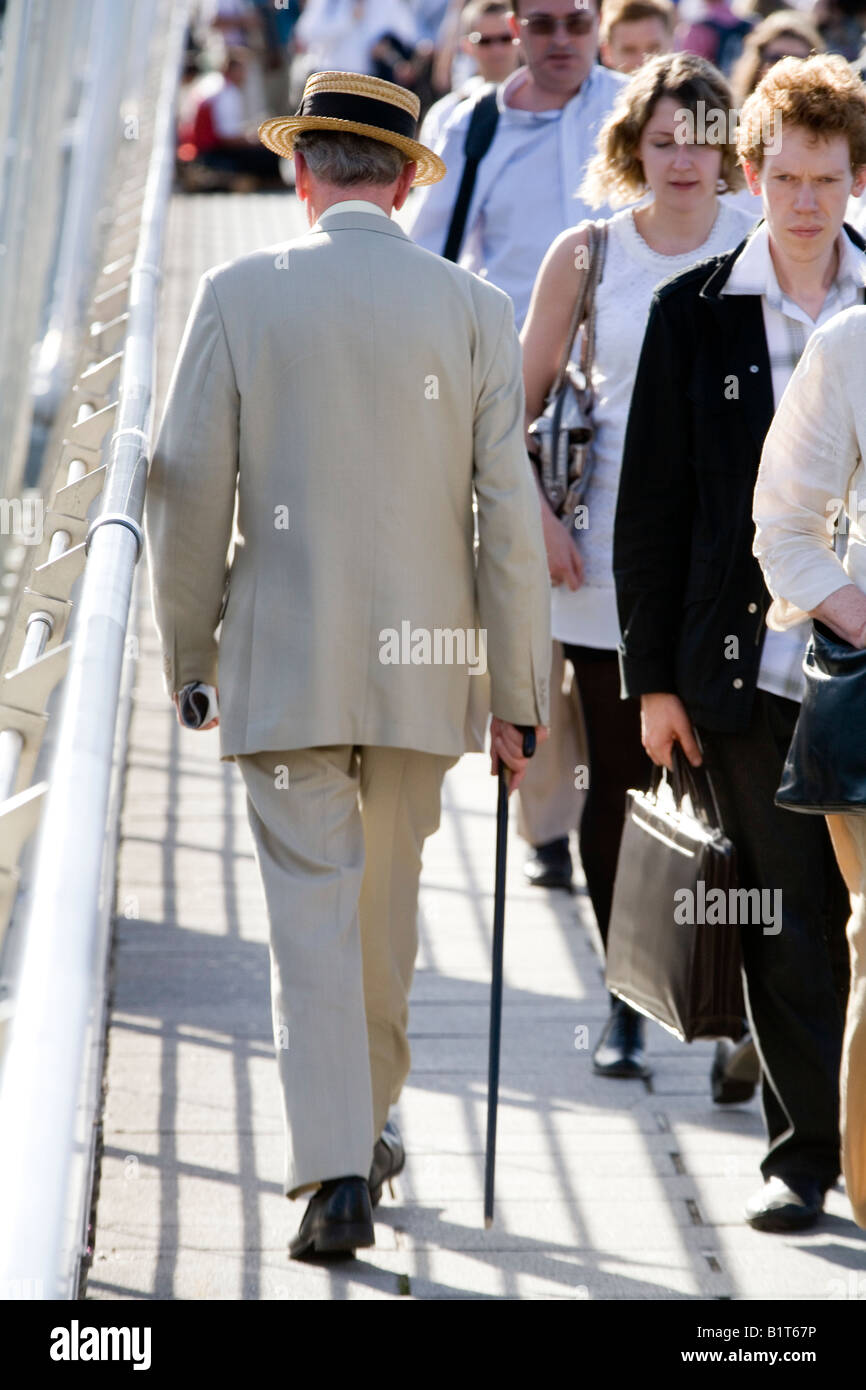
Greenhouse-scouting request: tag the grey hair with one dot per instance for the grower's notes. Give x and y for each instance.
(344, 158)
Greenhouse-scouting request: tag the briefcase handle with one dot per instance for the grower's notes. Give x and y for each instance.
(694, 782)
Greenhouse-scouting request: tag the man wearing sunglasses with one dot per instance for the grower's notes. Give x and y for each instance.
(488, 44)
(549, 113)
(489, 41)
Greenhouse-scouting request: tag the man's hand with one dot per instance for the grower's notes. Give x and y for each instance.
(506, 742)
(563, 556)
(663, 721)
(845, 612)
(200, 730)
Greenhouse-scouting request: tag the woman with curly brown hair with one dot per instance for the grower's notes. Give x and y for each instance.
(647, 145)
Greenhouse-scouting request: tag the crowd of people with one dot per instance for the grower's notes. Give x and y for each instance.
(662, 541)
(728, 331)
(249, 59)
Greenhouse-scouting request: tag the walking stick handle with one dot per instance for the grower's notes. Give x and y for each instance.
(528, 739)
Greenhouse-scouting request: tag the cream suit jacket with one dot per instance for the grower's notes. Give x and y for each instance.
(354, 389)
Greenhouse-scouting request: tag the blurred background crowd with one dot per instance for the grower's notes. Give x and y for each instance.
(249, 59)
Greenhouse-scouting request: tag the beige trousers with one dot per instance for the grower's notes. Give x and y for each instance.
(549, 806)
(848, 833)
(338, 836)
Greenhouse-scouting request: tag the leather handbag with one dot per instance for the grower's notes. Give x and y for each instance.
(825, 769)
(562, 435)
(668, 955)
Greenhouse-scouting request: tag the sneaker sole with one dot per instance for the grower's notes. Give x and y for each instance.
(626, 1071)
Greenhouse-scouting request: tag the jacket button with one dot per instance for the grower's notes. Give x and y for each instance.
(738, 682)
(753, 367)
(753, 608)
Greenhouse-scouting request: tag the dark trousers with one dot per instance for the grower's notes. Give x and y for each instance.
(796, 981)
(617, 762)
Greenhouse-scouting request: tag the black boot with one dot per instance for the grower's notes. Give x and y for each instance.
(549, 866)
(620, 1050)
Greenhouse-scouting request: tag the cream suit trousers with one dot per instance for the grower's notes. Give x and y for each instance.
(849, 841)
(549, 806)
(338, 835)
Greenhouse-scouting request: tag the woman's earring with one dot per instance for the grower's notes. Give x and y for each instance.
(721, 185)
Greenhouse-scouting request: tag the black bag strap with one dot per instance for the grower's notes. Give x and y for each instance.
(479, 138)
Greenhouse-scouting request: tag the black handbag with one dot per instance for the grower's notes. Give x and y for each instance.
(825, 769)
(678, 966)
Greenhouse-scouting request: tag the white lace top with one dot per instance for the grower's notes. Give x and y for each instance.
(588, 617)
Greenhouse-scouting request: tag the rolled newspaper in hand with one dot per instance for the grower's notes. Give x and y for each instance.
(198, 704)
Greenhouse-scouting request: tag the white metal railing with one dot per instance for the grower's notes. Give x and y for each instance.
(49, 1082)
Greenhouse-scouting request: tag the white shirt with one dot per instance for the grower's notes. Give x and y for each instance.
(227, 109)
(338, 39)
(228, 9)
(437, 117)
(526, 190)
(788, 329)
(812, 467)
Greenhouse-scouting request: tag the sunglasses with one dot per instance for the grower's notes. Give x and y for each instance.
(485, 40)
(546, 25)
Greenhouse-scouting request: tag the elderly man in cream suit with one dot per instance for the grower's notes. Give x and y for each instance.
(357, 392)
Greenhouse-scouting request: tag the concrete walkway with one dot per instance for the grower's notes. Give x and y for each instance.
(605, 1189)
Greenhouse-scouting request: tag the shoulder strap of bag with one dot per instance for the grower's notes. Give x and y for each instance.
(584, 304)
(587, 352)
(479, 138)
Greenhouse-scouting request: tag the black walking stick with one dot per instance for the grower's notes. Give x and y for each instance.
(496, 984)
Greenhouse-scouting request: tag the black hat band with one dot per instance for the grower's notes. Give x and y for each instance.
(349, 106)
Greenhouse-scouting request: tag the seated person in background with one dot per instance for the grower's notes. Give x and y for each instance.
(213, 134)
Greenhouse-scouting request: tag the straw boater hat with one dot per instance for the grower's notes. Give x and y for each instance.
(365, 105)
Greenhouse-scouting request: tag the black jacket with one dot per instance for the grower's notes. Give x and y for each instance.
(691, 597)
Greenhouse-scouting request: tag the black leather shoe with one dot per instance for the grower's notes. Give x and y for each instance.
(389, 1159)
(778, 1207)
(338, 1220)
(620, 1050)
(549, 866)
(736, 1071)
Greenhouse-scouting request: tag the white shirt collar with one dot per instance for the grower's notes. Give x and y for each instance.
(516, 79)
(353, 205)
(753, 271)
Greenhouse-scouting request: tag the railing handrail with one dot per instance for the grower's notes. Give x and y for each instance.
(65, 930)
